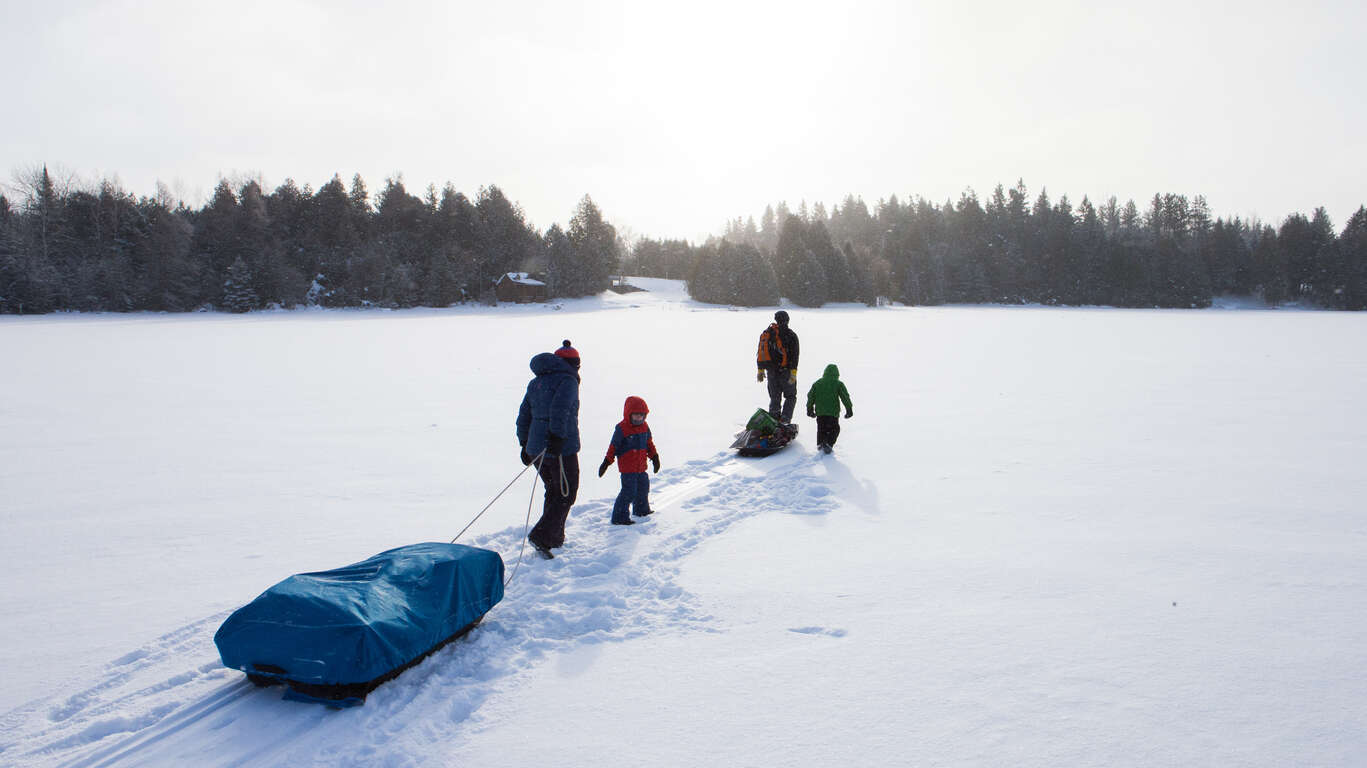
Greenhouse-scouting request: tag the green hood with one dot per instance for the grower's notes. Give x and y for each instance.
(828, 393)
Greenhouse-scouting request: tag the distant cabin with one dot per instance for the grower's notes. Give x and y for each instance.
(519, 288)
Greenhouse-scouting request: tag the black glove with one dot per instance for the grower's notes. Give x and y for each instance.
(604, 466)
(655, 462)
(525, 458)
(849, 413)
(554, 443)
(811, 410)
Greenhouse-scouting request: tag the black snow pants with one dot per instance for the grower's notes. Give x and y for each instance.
(781, 385)
(549, 531)
(827, 429)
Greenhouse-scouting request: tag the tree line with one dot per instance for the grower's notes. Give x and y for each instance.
(1013, 250)
(103, 249)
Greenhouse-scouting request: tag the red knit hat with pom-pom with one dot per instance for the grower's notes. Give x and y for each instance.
(568, 353)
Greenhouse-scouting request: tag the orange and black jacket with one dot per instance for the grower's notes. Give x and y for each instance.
(777, 349)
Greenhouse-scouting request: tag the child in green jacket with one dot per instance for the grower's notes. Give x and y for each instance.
(823, 403)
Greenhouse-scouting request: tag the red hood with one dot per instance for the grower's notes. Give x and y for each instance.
(634, 404)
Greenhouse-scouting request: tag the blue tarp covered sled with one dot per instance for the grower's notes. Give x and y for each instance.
(333, 636)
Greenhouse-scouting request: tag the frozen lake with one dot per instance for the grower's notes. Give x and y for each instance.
(1048, 536)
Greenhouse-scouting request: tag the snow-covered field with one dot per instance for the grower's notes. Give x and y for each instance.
(1047, 538)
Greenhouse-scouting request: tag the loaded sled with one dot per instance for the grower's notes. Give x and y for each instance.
(764, 435)
(333, 636)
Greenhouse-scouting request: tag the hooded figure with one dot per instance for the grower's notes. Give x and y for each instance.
(631, 446)
(548, 421)
(823, 403)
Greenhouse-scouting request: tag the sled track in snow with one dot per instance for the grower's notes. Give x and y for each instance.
(174, 722)
(609, 584)
(159, 688)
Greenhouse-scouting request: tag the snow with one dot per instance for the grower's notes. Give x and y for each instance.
(522, 278)
(1048, 537)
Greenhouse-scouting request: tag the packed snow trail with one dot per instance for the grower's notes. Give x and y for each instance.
(171, 702)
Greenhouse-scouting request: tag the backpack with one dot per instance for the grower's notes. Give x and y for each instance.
(771, 352)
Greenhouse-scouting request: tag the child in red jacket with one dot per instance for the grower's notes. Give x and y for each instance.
(631, 446)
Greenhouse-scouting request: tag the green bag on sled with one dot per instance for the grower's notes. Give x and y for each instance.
(762, 423)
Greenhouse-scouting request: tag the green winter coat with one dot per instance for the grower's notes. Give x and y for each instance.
(828, 393)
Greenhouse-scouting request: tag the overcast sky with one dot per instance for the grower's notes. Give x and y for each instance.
(678, 116)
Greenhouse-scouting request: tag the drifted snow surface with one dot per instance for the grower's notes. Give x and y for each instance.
(1048, 537)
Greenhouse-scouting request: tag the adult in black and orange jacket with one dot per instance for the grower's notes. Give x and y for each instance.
(777, 361)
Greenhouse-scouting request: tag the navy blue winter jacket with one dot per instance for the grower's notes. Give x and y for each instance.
(551, 406)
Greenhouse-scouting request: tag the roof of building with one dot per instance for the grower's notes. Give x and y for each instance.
(519, 277)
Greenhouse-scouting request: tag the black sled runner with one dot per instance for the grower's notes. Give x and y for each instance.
(764, 435)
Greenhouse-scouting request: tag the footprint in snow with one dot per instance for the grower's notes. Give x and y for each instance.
(828, 631)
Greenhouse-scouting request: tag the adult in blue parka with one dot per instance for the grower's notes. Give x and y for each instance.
(548, 422)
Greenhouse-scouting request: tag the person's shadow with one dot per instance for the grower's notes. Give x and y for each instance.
(861, 493)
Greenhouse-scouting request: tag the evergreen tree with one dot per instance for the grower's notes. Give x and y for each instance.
(1004, 255)
(751, 232)
(398, 225)
(84, 255)
(358, 199)
(216, 243)
(287, 211)
(401, 285)
(793, 264)
(839, 282)
(166, 279)
(443, 282)
(1303, 244)
(781, 214)
(595, 244)
(768, 230)
(808, 281)
(1270, 268)
(505, 241)
(47, 211)
(707, 276)
(1089, 243)
(562, 263)
(1353, 249)
(238, 295)
(862, 276)
(333, 240)
(11, 271)
(273, 282)
(645, 259)
(451, 232)
(889, 213)
(967, 248)
(757, 284)
(1229, 258)
(1065, 272)
(670, 259)
(1325, 274)
(43, 246)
